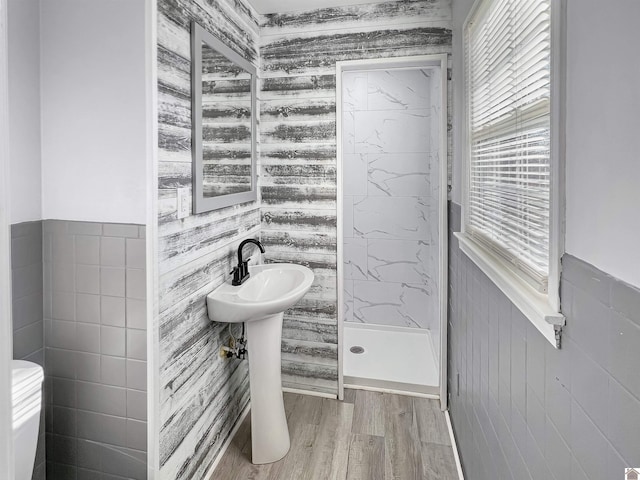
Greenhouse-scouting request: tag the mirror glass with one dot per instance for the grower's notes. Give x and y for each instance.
(223, 124)
(226, 125)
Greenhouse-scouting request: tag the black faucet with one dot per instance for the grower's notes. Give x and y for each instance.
(241, 272)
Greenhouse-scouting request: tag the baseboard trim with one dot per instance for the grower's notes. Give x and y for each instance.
(224, 448)
(454, 444)
(355, 386)
(310, 393)
(401, 388)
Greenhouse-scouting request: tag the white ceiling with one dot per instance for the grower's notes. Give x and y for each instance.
(281, 6)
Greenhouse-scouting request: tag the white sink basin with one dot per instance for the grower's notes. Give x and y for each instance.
(260, 302)
(270, 289)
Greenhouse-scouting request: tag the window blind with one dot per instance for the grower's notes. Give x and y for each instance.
(508, 92)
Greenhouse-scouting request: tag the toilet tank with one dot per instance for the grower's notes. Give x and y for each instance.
(26, 395)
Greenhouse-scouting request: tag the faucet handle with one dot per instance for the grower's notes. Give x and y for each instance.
(245, 268)
(238, 274)
(235, 272)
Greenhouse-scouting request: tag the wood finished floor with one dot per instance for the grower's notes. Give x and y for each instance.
(369, 436)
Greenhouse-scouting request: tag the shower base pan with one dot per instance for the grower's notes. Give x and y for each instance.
(395, 359)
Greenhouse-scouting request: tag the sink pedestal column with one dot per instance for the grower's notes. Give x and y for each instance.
(269, 432)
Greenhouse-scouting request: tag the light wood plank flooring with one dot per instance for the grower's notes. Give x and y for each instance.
(369, 436)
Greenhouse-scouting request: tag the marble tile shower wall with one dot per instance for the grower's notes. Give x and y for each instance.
(522, 409)
(27, 309)
(390, 199)
(95, 359)
(201, 395)
(298, 151)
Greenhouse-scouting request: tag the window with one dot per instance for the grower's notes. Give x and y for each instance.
(510, 191)
(508, 52)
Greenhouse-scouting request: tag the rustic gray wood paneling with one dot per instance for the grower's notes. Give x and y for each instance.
(321, 52)
(358, 16)
(306, 87)
(298, 151)
(201, 395)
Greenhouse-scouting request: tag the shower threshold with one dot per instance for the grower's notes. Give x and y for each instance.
(393, 359)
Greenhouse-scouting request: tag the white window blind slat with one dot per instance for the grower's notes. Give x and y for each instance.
(508, 88)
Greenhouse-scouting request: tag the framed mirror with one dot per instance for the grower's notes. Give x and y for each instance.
(223, 110)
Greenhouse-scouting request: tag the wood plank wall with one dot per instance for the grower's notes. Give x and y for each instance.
(298, 151)
(201, 395)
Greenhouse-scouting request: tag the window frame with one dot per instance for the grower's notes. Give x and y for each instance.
(541, 309)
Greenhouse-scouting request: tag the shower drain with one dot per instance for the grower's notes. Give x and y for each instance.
(356, 350)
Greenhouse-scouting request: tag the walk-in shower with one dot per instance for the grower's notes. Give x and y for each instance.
(392, 176)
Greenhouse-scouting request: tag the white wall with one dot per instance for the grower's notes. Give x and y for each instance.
(603, 137)
(6, 330)
(93, 110)
(24, 110)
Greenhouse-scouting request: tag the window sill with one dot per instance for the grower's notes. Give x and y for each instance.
(533, 305)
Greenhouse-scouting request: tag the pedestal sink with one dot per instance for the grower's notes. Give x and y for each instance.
(260, 302)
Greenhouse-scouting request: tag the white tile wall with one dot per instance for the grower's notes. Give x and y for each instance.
(404, 174)
(354, 93)
(355, 174)
(391, 217)
(348, 132)
(398, 90)
(390, 203)
(386, 303)
(392, 131)
(401, 261)
(355, 259)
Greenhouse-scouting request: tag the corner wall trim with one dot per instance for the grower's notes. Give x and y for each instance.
(6, 333)
(454, 444)
(311, 393)
(394, 391)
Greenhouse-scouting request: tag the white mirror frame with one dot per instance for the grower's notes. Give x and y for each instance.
(201, 203)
